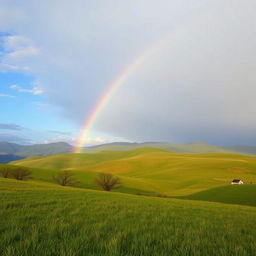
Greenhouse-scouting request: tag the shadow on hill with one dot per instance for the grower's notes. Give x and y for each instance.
(6, 158)
(232, 194)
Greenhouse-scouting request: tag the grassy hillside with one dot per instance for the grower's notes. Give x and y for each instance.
(153, 170)
(43, 219)
(236, 194)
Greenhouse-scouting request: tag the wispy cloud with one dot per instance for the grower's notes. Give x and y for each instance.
(73, 141)
(18, 47)
(40, 104)
(60, 132)
(35, 90)
(4, 67)
(16, 50)
(95, 141)
(14, 127)
(7, 95)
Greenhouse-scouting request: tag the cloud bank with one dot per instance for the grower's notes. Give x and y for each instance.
(198, 86)
(14, 127)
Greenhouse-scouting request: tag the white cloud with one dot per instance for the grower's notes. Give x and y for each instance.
(4, 67)
(36, 90)
(40, 104)
(17, 50)
(7, 95)
(90, 141)
(95, 141)
(18, 47)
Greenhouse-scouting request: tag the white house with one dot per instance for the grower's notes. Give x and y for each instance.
(237, 182)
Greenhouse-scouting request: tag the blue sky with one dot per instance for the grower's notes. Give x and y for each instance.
(38, 121)
(196, 85)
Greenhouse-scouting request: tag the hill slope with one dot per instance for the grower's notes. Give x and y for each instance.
(236, 194)
(46, 220)
(154, 170)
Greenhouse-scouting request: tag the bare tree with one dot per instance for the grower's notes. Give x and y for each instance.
(5, 172)
(65, 178)
(20, 173)
(107, 182)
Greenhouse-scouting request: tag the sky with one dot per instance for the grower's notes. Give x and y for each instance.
(194, 78)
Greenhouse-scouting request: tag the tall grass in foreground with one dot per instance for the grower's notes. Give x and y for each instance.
(38, 219)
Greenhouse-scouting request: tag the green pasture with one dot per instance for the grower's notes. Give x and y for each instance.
(39, 218)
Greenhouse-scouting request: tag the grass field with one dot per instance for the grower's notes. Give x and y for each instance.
(149, 170)
(236, 194)
(39, 218)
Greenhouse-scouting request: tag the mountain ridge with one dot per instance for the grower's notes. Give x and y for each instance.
(35, 150)
(190, 147)
(14, 150)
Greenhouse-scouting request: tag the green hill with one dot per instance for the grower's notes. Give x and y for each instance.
(45, 219)
(236, 194)
(151, 170)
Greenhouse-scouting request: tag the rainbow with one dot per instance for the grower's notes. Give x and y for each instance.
(111, 89)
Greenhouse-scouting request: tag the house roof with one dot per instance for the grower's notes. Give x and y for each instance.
(236, 180)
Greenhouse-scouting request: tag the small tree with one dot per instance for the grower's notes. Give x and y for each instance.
(20, 173)
(5, 172)
(107, 182)
(65, 178)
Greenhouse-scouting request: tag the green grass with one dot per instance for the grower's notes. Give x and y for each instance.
(232, 194)
(150, 170)
(43, 219)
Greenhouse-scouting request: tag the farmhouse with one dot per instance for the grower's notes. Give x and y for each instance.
(237, 182)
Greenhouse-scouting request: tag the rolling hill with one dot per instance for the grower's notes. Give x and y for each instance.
(151, 170)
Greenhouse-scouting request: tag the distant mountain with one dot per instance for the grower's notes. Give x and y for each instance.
(35, 150)
(193, 147)
(11, 151)
(251, 150)
(9, 148)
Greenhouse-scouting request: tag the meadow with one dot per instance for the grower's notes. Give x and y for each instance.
(39, 218)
